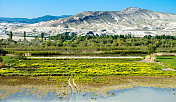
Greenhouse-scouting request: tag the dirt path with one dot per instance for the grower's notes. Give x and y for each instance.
(64, 57)
(169, 69)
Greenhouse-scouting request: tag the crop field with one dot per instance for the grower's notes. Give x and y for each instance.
(82, 67)
(168, 60)
(50, 75)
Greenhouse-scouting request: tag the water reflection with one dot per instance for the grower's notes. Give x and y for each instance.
(143, 94)
(136, 94)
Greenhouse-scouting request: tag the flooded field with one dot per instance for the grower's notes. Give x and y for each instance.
(85, 80)
(120, 88)
(136, 94)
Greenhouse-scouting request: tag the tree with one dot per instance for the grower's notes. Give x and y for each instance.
(10, 35)
(24, 35)
(49, 37)
(2, 52)
(59, 43)
(1, 60)
(151, 49)
(42, 35)
(48, 43)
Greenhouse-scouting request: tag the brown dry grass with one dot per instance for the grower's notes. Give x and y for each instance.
(122, 82)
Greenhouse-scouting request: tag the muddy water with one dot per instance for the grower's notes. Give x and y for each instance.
(136, 94)
(121, 89)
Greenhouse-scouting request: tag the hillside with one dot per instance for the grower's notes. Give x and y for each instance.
(135, 21)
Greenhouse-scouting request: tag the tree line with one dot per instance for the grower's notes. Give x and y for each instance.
(71, 43)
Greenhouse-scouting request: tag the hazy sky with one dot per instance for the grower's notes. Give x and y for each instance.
(36, 8)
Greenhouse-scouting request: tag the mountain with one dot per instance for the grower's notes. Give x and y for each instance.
(128, 17)
(135, 21)
(31, 21)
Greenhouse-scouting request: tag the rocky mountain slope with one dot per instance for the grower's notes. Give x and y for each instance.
(135, 21)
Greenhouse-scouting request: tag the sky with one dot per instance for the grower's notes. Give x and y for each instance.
(37, 8)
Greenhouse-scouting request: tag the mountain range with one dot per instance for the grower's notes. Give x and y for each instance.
(31, 21)
(135, 21)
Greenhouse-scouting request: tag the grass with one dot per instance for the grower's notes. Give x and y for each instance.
(8, 59)
(12, 60)
(168, 60)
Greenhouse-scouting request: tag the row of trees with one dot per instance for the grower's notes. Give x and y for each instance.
(72, 36)
(93, 43)
(24, 35)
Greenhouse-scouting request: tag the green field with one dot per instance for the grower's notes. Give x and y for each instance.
(168, 60)
(81, 67)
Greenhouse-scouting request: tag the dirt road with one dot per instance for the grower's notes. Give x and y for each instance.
(86, 57)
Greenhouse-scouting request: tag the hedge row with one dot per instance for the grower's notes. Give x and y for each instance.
(48, 53)
(125, 52)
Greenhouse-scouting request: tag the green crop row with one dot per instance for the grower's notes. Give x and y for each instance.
(87, 67)
(49, 53)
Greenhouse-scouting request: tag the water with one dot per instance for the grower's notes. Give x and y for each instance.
(137, 94)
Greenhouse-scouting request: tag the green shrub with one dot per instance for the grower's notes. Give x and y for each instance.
(1, 60)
